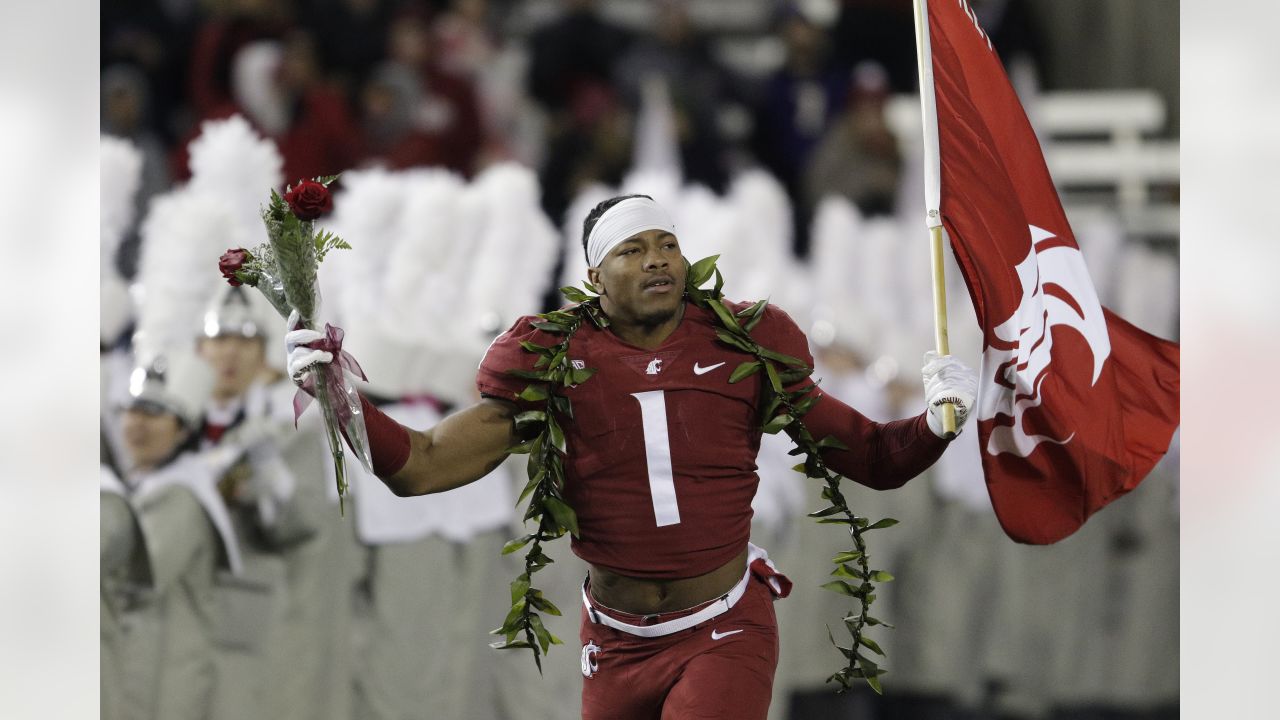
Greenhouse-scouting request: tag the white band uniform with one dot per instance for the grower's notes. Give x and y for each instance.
(719, 607)
(622, 221)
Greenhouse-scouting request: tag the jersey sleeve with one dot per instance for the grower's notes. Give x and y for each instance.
(880, 455)
(505, 354)
(778, 332)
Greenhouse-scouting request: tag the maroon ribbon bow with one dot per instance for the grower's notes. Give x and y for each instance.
(332, 376)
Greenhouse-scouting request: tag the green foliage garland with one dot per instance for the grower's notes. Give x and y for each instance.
(781, 410)
(523, 627)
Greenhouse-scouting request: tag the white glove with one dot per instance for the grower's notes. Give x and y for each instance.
(299, 359)
(947, 380)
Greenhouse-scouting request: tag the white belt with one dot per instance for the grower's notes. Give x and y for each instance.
(719, 607)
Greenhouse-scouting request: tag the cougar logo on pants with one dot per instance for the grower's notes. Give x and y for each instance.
(589, 665)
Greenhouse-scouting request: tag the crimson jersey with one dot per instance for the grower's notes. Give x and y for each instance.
(662, 448)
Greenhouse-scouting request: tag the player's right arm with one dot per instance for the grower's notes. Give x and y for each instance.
(460, 449)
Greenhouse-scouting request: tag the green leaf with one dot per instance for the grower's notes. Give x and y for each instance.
(597, 316)
(514, 645)
(752, 310)
(535, 375)
(774, 381)
(835, 521)
(814, 470)
(515, 545)
(841, 677)
(794, 375)
(776, 424)
(831, 442)
(846, 651)
(552, 534)
(745, 370)
(519, 587)
(754, 314)
(887, 522)
(784, 359)
(590, 287)
(726, 317)
(771, 406)
(734, 341)
(844, 571)
(536, 560)
(874, 621)
(874, 682)
(540, 632)
(533, 393)
(573, 294)
(824, 512)
(577, 376)
(842, 587)
(557, 436)
(701, 271)
(550, 327)
(870, 645)
(545, 605)
(563, 514)
(535, 347)
(514, 619)
(802, 407)
(798, 467)
(561, 404)
(530, 417)
(881, 576)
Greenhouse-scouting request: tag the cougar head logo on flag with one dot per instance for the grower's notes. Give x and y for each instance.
(1075, 404)
(1056, 290)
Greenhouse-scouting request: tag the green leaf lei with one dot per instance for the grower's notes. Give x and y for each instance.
(782, 410)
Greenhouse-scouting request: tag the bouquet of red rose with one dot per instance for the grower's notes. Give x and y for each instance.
(284, 270)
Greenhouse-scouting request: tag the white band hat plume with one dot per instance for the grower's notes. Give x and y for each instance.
(620, 222)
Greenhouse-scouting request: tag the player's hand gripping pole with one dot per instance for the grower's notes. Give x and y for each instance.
(943, 345)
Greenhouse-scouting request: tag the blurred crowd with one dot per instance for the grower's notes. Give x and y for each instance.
(462, 84)
(473, 137)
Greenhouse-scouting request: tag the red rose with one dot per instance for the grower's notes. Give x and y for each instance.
(309, 200)
(231, 262)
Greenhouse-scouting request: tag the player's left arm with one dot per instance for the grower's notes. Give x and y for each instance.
(886, 455)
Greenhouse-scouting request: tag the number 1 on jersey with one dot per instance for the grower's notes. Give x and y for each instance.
(657, 454)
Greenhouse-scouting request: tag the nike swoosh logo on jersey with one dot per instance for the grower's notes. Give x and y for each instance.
(699, 370)
(715, 635)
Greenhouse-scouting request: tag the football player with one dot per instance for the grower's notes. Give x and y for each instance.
(677, 618)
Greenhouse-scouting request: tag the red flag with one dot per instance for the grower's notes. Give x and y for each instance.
(1075, 405)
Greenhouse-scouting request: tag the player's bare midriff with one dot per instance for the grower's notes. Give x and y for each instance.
(641, 596)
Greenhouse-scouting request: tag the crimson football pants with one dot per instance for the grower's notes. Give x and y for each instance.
(721, 669)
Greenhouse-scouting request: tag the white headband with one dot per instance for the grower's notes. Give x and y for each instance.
(620, 222)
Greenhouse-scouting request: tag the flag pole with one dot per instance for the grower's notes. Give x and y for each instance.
(940, 322)
(932, 194)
